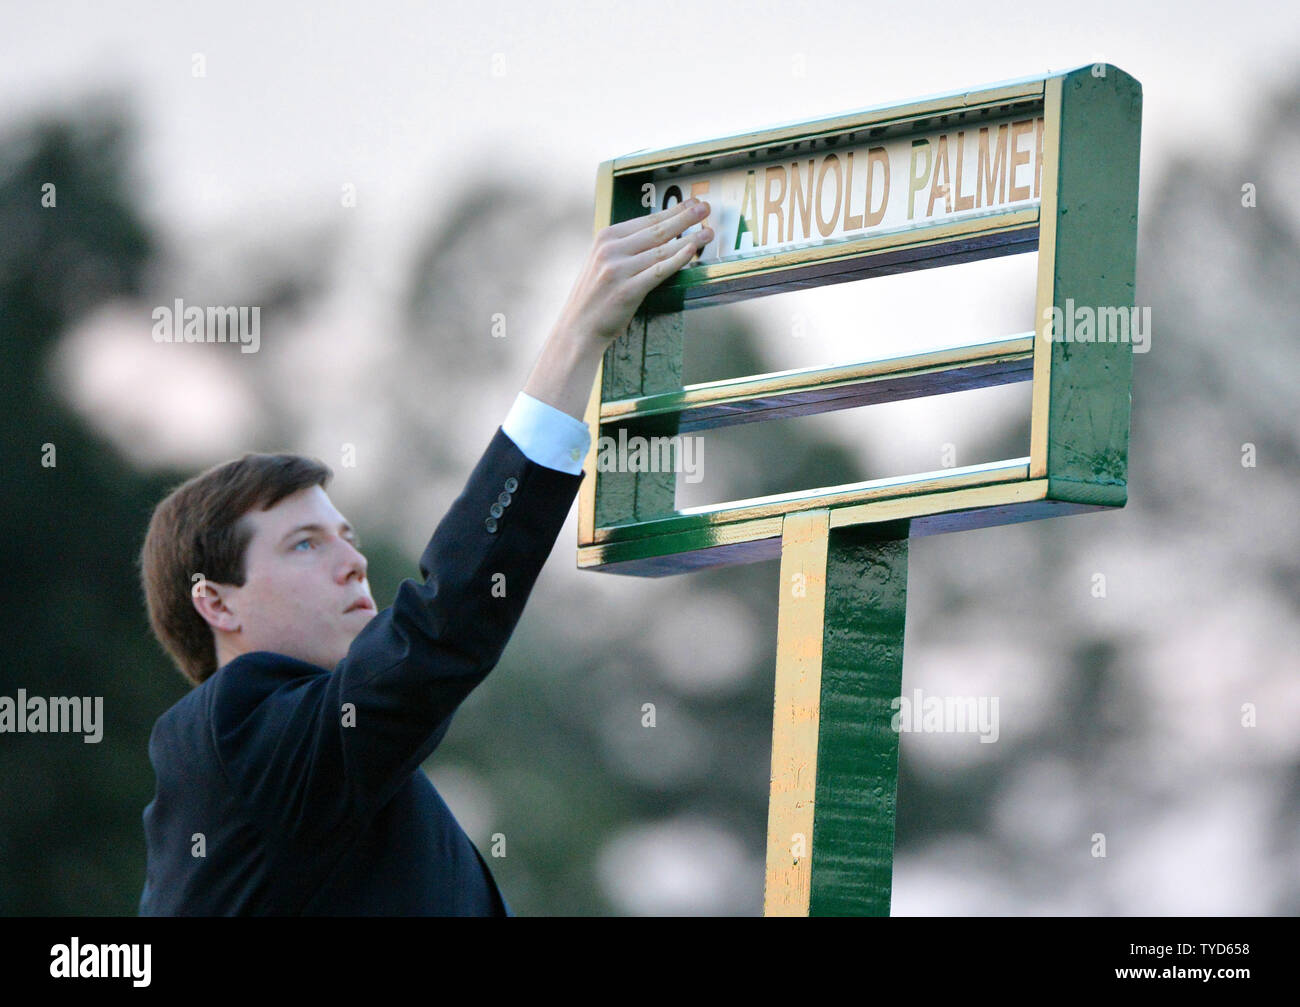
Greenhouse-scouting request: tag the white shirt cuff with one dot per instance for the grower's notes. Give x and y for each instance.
(546, 435)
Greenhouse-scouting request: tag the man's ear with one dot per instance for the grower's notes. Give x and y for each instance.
(216, 603)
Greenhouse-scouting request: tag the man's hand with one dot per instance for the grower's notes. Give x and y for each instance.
(627, 261)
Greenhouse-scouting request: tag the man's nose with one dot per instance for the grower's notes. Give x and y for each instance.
(354, 562)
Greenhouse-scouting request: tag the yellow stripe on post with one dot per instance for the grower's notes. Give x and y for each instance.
(796, 711)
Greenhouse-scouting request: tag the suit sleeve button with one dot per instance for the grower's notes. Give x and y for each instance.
(495, 510)
(504, 499)
(512, 484)
(490, 524)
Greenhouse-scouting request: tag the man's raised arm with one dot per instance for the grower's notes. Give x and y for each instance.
(627, 261)
(316, 755)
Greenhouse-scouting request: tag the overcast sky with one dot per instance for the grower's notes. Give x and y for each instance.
(394, 96)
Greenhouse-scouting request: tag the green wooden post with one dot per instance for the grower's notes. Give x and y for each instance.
(857, 749)
(645, 360)
(1081, 421)
(834, 752)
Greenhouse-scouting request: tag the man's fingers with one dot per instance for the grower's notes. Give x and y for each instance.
(661, 227)
(658, 264)
(661, 253)
(664, 230)
(626, 227)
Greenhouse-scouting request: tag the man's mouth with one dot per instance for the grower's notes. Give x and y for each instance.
(360, 603)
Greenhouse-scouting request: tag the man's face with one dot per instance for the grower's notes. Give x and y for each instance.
(303, 579)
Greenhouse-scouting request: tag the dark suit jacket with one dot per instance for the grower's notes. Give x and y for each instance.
(300, 814)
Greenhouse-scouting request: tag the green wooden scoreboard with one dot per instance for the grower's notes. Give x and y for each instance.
(1046, 164)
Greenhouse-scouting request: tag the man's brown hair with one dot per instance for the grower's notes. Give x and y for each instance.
(198, 529)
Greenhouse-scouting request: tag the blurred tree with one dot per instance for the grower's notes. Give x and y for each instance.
(70, 831)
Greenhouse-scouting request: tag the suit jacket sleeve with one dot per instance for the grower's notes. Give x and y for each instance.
(281, 728)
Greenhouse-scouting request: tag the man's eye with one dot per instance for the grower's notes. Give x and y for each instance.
(305, 541)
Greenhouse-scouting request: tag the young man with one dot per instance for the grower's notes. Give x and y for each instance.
(288, 780)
